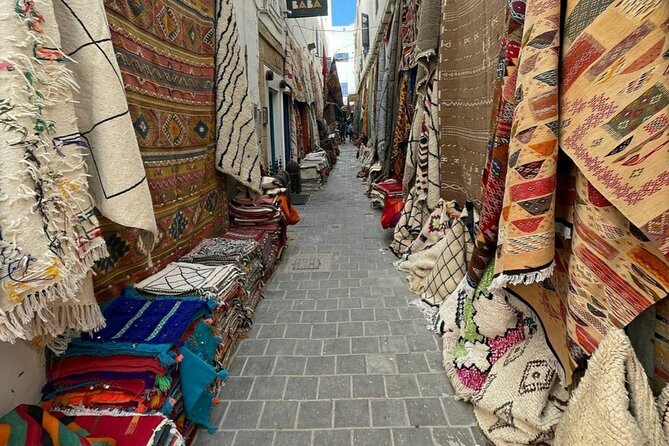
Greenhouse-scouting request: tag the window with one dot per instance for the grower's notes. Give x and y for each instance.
(344, 89)
(341, 57)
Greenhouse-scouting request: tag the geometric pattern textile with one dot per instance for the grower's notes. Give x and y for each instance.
(470, 35)
(526, 244)
(181, 278)
(165, 52)
(237, 146)
(615, 100)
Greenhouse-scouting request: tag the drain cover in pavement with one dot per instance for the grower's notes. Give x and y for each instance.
(309, 263)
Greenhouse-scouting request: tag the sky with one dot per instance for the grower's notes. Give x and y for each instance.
(343, 12)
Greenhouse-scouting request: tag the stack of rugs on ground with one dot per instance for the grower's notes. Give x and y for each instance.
(159, 353)
(314, 171)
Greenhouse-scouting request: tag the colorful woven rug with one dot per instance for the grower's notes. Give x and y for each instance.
(237, 150)
(526, 239)
(614, 93)
(31, 425)
(172, 107)
(408, 31)
(50, 235)
(132, 318)
(468, 53)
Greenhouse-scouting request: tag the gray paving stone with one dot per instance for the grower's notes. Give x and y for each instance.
(268, 388)
(351, 364)
(364, 386)
(321, 331)
(338, 316)
(271, 331)
(349, 329)
(252, 347)
(290, 365)
(459, 413)
(412, 363)
(350, 303)
(320, 365)
(393, 368)
(365, 314)
(453, 436)
(313, 317)
(298, 331)
(425, 412)
(377, 328)
(381, 364)
(339, 293)
(393, 344)
(327, 304)
(242, 415)
(334, 387)
(220, 438)
(433, 384)
(351, 413)
(294, 438)
(301, 388)
(259, 365)
(401, 386)
(369, 437)
(388, 413)
(412, 437)
(315, 415)
(245, 438)
(332, 438)
(278, 415)
(365, 345)
(422, 343)
(236, 388)
(277, 347)
(304, 305)
(337, 346)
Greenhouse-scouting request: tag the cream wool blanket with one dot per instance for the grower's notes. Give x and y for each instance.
(237, 152)
(613, 404)
(49, 235)
(117, 176)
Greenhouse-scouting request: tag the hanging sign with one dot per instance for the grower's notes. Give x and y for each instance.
(307, 8)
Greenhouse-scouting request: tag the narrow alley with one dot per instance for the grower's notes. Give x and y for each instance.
(337, 356)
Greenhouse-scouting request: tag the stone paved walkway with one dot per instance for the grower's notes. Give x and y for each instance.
(337, 356)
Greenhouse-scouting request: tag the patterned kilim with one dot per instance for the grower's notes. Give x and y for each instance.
(615, 99)
(165, 52)
(526, 245)
(237, 151)
(402, 129)
(470, 34)
(494, 175)
(408, 31)
(451, 265)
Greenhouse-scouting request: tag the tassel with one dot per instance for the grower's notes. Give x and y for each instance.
(163, 383)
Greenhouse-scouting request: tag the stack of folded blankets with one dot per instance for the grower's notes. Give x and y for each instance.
(157, 355)
(246, 254)
(384, 190)
(249, 212)
(35, 425)
(314, 170)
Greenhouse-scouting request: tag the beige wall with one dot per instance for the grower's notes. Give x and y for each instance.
(22, 374)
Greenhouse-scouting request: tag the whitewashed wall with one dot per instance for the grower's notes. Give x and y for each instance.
(22, 374)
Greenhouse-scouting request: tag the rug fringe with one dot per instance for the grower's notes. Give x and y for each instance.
(502, 280)
(430, 313)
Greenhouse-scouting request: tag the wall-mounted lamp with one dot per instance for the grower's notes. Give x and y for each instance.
(269, 75)
(311, 46)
